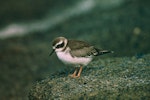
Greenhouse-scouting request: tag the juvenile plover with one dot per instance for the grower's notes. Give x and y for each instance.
(75, 52)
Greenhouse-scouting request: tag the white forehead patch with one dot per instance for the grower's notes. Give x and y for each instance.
(53, 47)
(59, 43)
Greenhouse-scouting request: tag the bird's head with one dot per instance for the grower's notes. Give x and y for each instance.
(59, 44)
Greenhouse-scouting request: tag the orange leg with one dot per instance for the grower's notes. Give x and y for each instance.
(80, 70)
(75, 75)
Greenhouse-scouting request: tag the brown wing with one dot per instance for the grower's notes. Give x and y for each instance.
(81, 49)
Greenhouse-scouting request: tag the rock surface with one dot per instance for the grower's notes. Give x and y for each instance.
(111, 78)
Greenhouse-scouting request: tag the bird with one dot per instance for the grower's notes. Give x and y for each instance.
(75, 52)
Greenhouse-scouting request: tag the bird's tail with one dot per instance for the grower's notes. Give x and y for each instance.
(101, 52)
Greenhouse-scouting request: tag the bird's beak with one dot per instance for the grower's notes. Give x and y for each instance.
(51, 52)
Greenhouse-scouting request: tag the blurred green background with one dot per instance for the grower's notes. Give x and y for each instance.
(27, 28)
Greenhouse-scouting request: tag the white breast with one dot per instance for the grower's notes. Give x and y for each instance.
(66, 58)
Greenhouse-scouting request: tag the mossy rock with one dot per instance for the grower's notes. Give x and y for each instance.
(111, 78)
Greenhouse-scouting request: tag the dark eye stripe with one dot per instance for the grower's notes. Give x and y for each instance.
(60, 45)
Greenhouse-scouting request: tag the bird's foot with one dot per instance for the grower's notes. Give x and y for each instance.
(74, 76)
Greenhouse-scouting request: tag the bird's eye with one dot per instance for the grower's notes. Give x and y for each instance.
(60, 45)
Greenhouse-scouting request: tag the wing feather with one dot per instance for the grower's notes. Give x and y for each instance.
(81, 49)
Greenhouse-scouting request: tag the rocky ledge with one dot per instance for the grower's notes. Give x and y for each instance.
(111, 78)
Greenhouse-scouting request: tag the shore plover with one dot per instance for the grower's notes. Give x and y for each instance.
(75, 52)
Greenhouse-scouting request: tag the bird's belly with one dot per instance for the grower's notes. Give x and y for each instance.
(68, 59)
